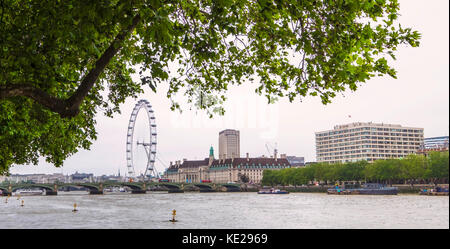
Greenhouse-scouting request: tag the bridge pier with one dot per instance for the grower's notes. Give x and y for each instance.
(95, 192)
(138, 191)
(4, 193)
(207, 190)
(49, 192)
(175, 191)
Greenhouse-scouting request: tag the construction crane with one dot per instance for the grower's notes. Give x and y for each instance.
(274, 149)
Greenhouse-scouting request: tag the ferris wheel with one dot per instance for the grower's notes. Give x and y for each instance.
(141, 143)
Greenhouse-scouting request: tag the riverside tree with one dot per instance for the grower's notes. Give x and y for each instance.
(432, 168)
(413, 168)
(62, 62)
(438, 167)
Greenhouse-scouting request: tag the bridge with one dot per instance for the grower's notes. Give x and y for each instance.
(136, 187)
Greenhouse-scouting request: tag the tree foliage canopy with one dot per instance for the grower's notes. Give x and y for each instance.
(64, 61)
(431, 168)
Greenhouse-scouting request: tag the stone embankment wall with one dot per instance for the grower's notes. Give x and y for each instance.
(402, 189)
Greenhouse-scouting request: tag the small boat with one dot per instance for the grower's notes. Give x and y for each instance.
(272, 191)
(28, 192)
(434, 191)
(116, 189)
(367, 189)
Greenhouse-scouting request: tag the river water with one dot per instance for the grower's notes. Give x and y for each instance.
(225, 210)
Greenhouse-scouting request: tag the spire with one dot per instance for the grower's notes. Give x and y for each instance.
(211, 152)
(211, 156)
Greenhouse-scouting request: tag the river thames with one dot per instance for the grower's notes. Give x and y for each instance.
(246, 210)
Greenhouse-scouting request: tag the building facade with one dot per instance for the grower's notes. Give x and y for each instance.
(190, 170)
(81, 177)
(231, 170)
(435, 143)
(34, 178)
(367, 141)
(223, 170)
(229, 144)
(295, 161)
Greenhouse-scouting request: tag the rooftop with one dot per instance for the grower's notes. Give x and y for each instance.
(366, 124)
(259, 160)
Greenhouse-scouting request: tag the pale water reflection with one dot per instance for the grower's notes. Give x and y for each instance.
(225, 210)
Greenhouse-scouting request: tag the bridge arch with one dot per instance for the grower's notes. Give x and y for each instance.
(39, 186)
(231, 187)
(169, 185)
(132, 185)
(4, 189)
(203, 186)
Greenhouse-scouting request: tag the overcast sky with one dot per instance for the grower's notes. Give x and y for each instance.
(419, 97)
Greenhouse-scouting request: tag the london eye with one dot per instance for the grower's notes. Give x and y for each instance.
(141, 142)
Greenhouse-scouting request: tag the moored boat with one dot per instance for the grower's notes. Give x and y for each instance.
(27, 192)
(366, 189)
(272, 191)
(434, 191)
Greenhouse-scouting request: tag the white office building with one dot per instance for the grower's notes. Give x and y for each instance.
(367, 141)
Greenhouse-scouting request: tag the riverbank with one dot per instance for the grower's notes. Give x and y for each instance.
(402, 189)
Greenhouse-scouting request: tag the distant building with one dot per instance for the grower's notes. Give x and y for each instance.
(229, 144)
(34, 178)
(223, 170)
(193, 170)
(81, 177)
(190, 170)
(434, 144)
(54, 178)
(295, 161)
(230, 170)
(30, 178)
(367, 141)
(109, 178)
(171, 173)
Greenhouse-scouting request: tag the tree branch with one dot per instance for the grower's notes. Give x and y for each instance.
(75, 100)
(70, 107)
(54, 104)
